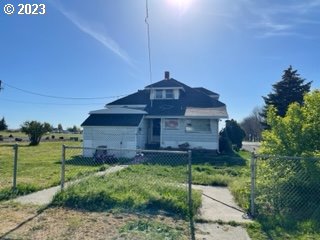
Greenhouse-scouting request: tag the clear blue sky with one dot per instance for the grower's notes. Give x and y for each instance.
(98, 48)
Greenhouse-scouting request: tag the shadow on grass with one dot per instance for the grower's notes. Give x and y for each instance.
(79, 160)
(211, 158)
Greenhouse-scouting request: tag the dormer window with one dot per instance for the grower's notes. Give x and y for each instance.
(169, 94)
(165, 94)
(158, 94)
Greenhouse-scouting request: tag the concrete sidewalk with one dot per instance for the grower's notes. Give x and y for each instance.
(218, 204)
(44, 197)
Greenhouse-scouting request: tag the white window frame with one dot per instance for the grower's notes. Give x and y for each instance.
(171, 93)
(192, 125)
(171, 123)
(157, 95)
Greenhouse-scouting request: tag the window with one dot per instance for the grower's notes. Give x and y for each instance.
(158, 94)
(198, 125)
(169, 94)
(171, 123)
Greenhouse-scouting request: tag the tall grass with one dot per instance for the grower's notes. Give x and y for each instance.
(142, 188)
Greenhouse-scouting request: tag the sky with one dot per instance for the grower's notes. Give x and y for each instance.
(58, 66)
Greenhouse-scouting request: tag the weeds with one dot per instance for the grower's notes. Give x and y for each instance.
(137, 188)
(143, 229)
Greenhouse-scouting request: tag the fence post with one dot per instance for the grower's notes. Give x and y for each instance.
(190, 194)
(15, 166)
(63, 160)
(253, 184)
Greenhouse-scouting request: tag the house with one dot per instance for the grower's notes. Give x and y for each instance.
(166, 114)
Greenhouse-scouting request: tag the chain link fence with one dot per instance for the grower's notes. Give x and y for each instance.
(285, 189)
(130, 180)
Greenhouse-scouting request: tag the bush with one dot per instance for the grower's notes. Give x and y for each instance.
(225, 145)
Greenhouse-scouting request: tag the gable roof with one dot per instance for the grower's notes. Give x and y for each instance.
(166, 83)
(131, 120)
(189, 98)
(138, 98)
(205, 91)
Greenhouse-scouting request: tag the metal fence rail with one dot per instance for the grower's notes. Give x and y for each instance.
(162, 175)
(8, 160)
(286, 189)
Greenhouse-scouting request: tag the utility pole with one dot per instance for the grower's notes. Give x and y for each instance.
(1, 85)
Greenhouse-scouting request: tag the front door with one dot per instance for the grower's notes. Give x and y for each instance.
(155, 130)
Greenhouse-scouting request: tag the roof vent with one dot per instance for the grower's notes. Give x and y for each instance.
(166, 75)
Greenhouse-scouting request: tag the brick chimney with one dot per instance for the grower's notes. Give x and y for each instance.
(166, 75)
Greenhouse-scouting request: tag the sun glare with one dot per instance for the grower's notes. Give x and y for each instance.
(181, 5)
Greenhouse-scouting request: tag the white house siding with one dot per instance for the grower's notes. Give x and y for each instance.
(112, 137)
(173, 138)
(142, 134)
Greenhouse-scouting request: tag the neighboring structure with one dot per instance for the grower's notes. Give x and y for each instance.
(165, 114)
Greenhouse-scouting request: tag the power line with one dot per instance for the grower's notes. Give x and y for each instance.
(59, 97)
(149, 41)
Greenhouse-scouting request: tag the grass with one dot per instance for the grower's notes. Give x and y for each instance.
(136, 188)
(38, 167)
(151, 229)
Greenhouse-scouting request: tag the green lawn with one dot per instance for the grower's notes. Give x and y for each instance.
(138, 187)
(38, 166)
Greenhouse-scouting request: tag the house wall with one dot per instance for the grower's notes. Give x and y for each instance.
(206, 140)
(112, 137)
(142, 132)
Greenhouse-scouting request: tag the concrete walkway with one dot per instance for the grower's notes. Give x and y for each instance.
(45, 196)
(218, 204)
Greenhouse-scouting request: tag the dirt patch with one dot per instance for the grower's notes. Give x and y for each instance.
(13, 214)
(61, 223)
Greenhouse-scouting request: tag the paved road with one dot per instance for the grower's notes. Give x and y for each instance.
(251, 146)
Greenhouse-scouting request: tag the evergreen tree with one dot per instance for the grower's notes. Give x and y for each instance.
(289, 89)
(3, 125)
(297, 133)
(233, 132)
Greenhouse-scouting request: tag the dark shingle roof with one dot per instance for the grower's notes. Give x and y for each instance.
(166, 83)
(205, 91)
(138, 98)
(189, 97)
(130, 120)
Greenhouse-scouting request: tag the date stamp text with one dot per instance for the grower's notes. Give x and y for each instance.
(25, 9)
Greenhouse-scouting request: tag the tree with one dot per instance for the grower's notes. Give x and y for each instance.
(233, 132)
(60, 128)
(3, 125)
(35, 130)
(252, 125)
(74, 129)
(297, 133)
(289, 89)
